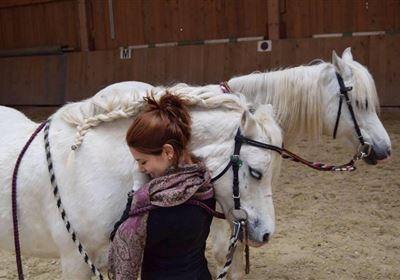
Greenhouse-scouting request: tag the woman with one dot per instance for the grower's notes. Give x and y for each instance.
(163, 232)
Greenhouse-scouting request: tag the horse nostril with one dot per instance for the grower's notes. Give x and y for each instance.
(266, 237)
(389, 153)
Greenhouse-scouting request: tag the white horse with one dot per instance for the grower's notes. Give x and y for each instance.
(94, 185)
(306, 100)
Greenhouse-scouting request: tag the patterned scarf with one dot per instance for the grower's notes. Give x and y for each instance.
(175, 188)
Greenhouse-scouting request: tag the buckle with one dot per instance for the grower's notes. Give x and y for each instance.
(235, 159)
(236, 197)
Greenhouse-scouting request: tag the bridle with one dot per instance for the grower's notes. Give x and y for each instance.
(365, 148)
(235, 162)
(238, 214)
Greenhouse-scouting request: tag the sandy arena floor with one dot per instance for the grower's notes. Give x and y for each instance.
(329, 225)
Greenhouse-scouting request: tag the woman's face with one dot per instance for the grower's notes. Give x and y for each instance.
(154, 165)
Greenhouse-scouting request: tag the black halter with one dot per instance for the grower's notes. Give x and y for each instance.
(235, 162)
(365, 147)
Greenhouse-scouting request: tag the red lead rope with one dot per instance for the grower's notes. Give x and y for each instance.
(350, 166)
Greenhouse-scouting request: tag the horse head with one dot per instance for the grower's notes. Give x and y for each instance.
(364, 101)
(213, 137)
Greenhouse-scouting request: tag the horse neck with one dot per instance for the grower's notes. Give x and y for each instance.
(295, 94)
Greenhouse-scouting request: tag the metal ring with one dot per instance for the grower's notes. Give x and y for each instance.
(238, 214)
(365, 150)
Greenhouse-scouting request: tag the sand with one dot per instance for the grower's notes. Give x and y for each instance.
(328, 225)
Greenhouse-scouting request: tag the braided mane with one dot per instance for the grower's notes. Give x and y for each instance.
(114, 103)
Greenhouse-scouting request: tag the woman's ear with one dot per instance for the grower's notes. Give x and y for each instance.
(168, 151)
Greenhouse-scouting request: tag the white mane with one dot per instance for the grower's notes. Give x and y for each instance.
(110, 105)
(285, 90)
(295, 94)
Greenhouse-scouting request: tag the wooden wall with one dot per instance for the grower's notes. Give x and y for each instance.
(84, 25)
(52, 80)
(33, 23)
(176, 20)
(303, 18)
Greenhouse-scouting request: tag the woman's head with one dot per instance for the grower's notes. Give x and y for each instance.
(159, 135)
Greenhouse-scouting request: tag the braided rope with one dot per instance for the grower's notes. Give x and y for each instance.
(100, 118)
(231, 249)
(14, 202)
(350, 166)
(60, 206)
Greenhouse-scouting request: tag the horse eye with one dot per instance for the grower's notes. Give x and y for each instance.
(255, 174)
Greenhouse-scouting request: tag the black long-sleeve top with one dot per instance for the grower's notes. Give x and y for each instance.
(175, 243)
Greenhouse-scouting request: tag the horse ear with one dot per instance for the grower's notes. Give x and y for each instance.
(346, 55)
(248, 124)
(335, 58)
(341, 66)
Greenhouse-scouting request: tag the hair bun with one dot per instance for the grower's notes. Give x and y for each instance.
(172, 105)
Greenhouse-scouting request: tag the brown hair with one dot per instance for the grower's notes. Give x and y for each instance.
(164, 122)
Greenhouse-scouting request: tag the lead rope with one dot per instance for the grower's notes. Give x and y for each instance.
(14, 201)
(231, 249)
(246, 247)
(61, 209)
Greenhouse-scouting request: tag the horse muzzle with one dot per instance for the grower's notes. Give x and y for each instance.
(376, 155)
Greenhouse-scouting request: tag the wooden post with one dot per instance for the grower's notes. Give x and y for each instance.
(273, 20)
(83, 26)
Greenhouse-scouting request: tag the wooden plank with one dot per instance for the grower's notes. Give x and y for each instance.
(19, 3)
(261, 14)
(100, 22)
(54, 23)
(378, 62)
(395, 7)
(273, 20)
(390, 94)
(129, 23)
(214, 63)
(36, 80)
(83, 25)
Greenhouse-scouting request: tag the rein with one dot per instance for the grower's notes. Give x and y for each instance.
(14, 201)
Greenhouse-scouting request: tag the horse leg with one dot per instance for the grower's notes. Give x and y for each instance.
(73, 266)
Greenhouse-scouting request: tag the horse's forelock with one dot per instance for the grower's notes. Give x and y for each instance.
(364, 95)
